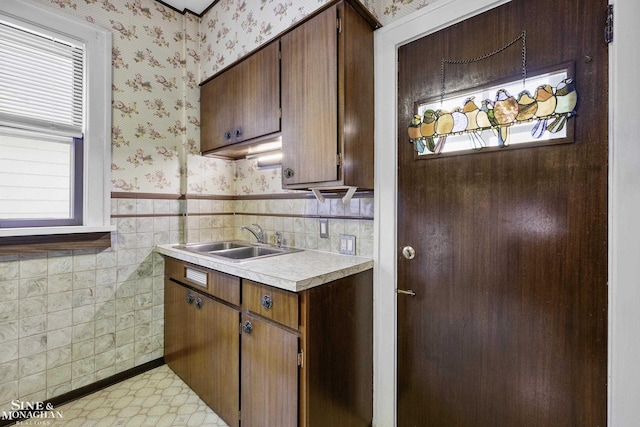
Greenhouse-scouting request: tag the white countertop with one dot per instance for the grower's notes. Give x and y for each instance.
(292, 272)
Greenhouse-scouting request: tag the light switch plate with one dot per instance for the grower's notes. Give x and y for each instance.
(347, 244)
(324, 228)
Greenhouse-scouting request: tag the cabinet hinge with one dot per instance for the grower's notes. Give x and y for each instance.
(339, 25)
(608, 26)
(301, 359)
(339, 159)
(280, 112)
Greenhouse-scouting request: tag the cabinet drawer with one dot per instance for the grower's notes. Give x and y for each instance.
(219, 285)
(273, 303)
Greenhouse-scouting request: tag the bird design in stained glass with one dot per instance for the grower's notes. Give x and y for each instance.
(567, 98)
(428, 129)
(505, 110)
(471, 110)
(548, 107)
(527, 106)
(414, 134)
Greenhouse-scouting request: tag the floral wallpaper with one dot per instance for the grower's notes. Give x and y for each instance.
(154, 90)
(159, 58)
(231, 28)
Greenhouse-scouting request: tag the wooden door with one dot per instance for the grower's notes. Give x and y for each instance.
(508, 326)
(259, 94)
(176, 328)
(215, 357)
(217, 111)
(269, 384)
(310, 101)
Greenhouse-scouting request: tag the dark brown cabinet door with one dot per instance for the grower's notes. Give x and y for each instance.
(508, 325)
(176, 328)
(327, 101)
(202, 346)
(217, 111)
(242, 103)
(214, 360)
(310, 101)
(259, 94)
(269, 384)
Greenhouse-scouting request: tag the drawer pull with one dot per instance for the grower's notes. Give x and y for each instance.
(266, 302)
(199, 303)
(190, 298)
(247, 327)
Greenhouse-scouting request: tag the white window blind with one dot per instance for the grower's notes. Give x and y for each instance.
(41, 126)
(41, 81)
(63, 63)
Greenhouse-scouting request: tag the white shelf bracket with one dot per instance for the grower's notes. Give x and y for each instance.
(347, 197)
(319, 196)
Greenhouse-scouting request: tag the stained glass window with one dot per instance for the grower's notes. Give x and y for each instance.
(496, 116)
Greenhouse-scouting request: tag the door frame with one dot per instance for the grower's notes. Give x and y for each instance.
(624, 204)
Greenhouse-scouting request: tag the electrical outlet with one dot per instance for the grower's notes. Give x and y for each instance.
(324, 228)
(347, 244)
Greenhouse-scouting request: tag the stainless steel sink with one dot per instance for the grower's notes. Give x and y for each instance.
(236, 251)
(251, 252)
(213, 246)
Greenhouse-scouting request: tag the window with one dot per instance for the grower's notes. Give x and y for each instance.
(55, 116)
(530, 131)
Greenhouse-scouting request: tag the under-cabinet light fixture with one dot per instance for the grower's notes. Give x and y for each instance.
(267, 158)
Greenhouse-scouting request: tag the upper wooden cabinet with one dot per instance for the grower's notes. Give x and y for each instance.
(327, 101)
(243, 102)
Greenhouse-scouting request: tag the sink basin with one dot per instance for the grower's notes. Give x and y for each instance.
(212, 247)
(251, 252)
(236, 251)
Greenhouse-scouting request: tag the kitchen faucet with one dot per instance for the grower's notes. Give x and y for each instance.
(259, 235)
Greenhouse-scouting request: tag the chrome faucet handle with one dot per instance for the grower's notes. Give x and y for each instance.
(260, 235)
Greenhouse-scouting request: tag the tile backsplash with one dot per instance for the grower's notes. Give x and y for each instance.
(71, 318)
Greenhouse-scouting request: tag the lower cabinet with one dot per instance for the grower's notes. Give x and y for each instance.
(201, 347)
(266, 357)
(269, 385)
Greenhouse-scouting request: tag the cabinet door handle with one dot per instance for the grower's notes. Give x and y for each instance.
(247, 327)
(237, 132)
(190, 298)
(227, 135)
(199, 303)
(266, 302)
(288, 173)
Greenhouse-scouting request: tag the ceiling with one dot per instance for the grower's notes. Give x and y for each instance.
(196, 6)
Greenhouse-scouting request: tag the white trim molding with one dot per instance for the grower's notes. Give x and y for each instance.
(97, 135)
(624, 204)
(624, 218)
(430, 19)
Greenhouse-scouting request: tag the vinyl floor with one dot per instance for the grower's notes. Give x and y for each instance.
(155, 398)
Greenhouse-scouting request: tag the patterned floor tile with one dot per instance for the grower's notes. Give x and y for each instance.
(157, 398)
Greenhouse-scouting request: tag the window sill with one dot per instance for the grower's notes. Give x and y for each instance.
(15, 241)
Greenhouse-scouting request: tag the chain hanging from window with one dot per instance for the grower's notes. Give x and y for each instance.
(522, 36)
